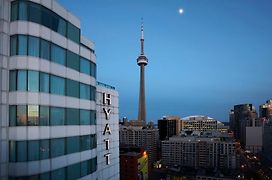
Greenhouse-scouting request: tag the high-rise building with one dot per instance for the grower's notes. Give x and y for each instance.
(244, 116)
(52, 125)
(168, 127)
(141, 137)
(142, 62)
(199, 123)
(206, 151)
(265, 110)
(267, 142)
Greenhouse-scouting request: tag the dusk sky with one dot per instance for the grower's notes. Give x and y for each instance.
(216, 54)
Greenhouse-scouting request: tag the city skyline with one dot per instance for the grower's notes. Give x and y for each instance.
(204, 61)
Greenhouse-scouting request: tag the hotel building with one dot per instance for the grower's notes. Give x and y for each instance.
(56, 121)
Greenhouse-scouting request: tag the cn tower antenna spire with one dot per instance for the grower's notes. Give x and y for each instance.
(142, 37)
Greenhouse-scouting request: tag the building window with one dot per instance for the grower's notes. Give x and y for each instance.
(57, 116)
(85, 66)
(93, 69)
(12, 80)
(13, 45)
(34, 13)
(72, 144)
(93, 93)
(58, 54)
(45, 49)
(21, 151)
(14, 11)
(72, 88)
(22, 45)
(73, 33)
(33, 115)
(85, 142)
(44, 82)
(44, 116)
(58, 174)
(21, 80)
(22, 10)
(12, 115)
(21, 115)
(73, 171)
(44, 149)
(33, 46)
(84, 91)
(85, 116)
(85, 168)
(57, 85)
(33, 150)
(33, 81)
(72, 60)
(12, 151)
(57, 147)
(72, 116)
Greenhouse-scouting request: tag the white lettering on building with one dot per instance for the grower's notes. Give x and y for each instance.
(107, 130)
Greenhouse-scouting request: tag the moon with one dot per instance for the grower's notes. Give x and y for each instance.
(181, 11)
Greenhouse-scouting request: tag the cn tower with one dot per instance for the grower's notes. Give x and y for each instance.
(142, 62)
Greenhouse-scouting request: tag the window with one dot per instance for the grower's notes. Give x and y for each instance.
(58, 174)
(46, 17)
(44, 82)
(72, 60)
(72, 116)
(45, 49)
(57, 147)
(57, 85)
(57, 54)
(33, 46)
(33, 115)
(57, 116)
(62, 27)
(44, 116)
(22, 10)
(72, 144)
(45, 176)
(33, 81)
(93, 69)
(85, 142)
(44, 149)
(73, 33)
(93, 93)
(34, 13)
(21, 80)
(93, 164)
(22, 45)
(12, 80)
(13, 45)
(93, 117)
(58, 24)
(84, 91)
(85, 168)
(21, 115)
(72, 88)
(14, 11)
(85, 117)
(85, 66)
(12, 115)
(12, 151)
(33, 150)
(21, 151)
(73, 171)
(93, 141)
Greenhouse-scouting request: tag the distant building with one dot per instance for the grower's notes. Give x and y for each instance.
(168, 127)
(133, 164)
(210, 150)
(254, 136)
(265, 110)
(199, 123)
(267, 141)
(241, 117)
(141, 137)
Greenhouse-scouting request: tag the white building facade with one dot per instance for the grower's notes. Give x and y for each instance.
(50, 120)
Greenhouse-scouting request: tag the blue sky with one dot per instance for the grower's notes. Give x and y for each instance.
(218, 53)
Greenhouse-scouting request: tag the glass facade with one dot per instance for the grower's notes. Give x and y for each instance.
(34, 81)
(34, 150)
(38, 47)
(34, 115)
(30, 11)
(71, 172)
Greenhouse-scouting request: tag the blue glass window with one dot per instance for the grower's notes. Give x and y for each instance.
(33, 81)
(72, 144)
(22, 10)
(85, 66)
(72, 88)
(85, 117)
(72, 60)
(44, 82)
(21, 151)
(12, 80)
(93, 69)
(14, 11)
(58, 174)
(21, 80)
(57, 85)
(45, 49)
(22, 45)
(13, 45)
(33, 46)
(93, 93)
(44, 116)
(33, 150)
(72, 116)
(46, 17)
(12, 151)
(57, 116)
(85, 142)
(84, 91)
(73, 171)
(85, 168)
(34, 12)
(45, 176)
(12, 115)
(44, 149)
(93, 117)
(73, 33)
(57, 147)
(21, 115)
(58, 54)
(33, 115)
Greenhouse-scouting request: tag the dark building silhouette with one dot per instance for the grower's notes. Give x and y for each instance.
(167, 128)
(265, 110)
